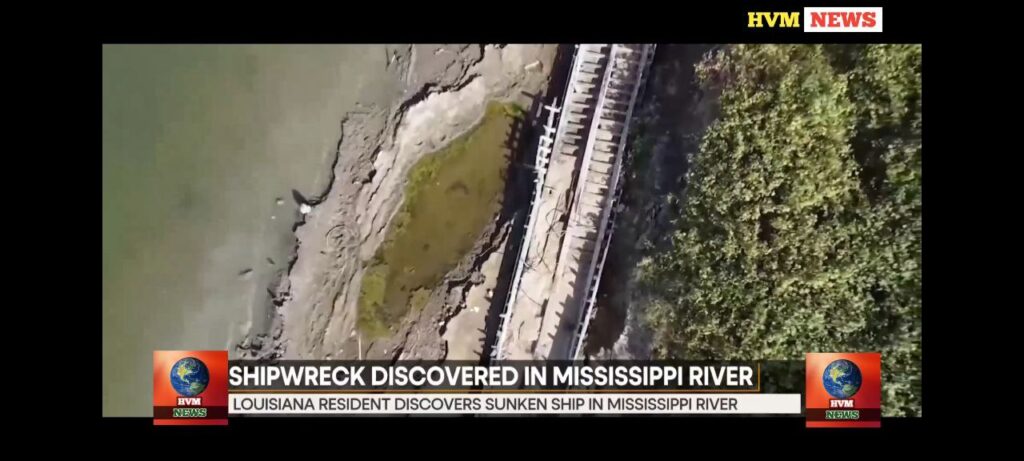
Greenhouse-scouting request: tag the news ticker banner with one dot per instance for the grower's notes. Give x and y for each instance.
(188, 387)
(515, 404)
(511, 388)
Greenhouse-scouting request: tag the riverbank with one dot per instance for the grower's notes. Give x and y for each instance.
(315, 307)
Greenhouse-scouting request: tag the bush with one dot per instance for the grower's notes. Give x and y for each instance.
(801, 224)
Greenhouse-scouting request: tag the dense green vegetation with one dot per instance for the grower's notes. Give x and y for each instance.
(450, 196)
(801, 218)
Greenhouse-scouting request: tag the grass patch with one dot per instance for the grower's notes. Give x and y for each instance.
(419, 298)
(371, 299)
(450, 197)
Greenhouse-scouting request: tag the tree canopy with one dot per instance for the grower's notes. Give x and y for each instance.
(800, 228)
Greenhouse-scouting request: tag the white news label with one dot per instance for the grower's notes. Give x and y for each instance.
(842, 19)
(509, 404)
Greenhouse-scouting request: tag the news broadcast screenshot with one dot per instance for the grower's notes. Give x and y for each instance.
(724, 228)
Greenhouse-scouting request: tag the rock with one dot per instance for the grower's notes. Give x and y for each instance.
(534, 66)
(305, 209)
(279, 201)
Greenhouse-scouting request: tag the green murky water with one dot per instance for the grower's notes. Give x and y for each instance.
(198, 144)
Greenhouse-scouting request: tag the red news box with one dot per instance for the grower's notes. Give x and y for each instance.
(190, 388)
(844, 389)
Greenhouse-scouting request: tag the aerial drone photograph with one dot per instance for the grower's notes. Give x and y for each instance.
(484, 203)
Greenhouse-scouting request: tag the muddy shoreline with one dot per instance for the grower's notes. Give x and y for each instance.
(312, 309)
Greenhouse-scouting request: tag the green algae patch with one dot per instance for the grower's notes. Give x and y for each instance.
(450, 197)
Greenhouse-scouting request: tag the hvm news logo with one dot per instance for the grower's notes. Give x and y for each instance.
(844, 390)
(821, 19)
(190, 387)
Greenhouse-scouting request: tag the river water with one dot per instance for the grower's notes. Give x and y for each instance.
(202, 147)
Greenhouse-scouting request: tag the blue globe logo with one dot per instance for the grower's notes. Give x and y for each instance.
(841, 379)
(189, 377)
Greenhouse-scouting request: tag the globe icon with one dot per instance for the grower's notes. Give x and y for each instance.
(189, 377)
(841, 379)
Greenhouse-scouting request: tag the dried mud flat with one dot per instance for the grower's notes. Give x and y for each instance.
(313, 309)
